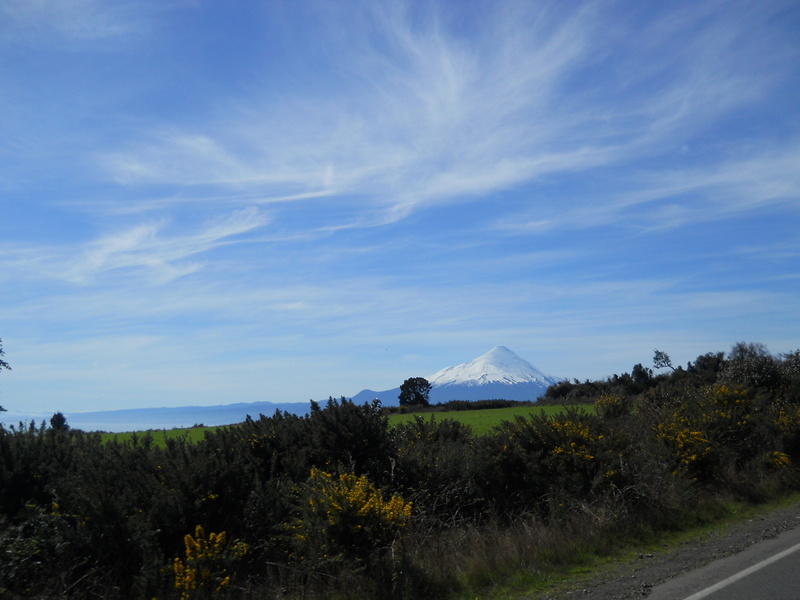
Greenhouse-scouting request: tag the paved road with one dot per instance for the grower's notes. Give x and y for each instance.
(769, 570)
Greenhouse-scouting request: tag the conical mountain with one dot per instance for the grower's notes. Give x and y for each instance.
(499, 365)
(498, 374)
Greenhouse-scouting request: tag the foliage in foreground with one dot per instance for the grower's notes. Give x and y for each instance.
(339, 505)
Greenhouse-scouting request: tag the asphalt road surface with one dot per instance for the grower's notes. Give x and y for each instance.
(769, 570)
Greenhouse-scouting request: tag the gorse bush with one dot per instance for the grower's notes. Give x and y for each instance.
(722, 429)
(437, 467)
(541, 462)
(337, 504)
(345, 516)
(207, 565)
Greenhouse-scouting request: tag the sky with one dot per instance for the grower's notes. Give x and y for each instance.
(205, 203)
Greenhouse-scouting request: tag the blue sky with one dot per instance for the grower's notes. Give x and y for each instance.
(206, 202)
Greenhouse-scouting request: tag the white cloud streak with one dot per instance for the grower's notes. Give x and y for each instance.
(430, 120)
(150, 248)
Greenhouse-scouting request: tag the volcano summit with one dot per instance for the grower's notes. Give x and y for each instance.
(498, 374)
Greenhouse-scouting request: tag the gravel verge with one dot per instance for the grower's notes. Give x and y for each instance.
(635, 579)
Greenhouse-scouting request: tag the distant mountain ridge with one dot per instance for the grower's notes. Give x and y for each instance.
(140, 419)
(498, 374)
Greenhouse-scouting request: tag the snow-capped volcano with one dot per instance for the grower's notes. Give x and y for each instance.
(498, 374)
(498, 365)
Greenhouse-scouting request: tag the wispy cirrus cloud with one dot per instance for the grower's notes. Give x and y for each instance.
(428, 119)
(660, 199)
(152, 248)
(143, 247)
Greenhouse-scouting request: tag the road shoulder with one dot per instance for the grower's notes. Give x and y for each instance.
(636, 578)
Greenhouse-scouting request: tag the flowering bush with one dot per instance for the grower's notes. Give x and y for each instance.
(690, 447)
(208, 559)
(346, 516)
(721, 425)
(612, 406)
(540, 460)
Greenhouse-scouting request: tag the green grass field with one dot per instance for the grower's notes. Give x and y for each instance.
(192, 434)
(481, 422)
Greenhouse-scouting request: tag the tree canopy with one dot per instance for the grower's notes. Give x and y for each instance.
(59, 422)
(661, 360)
(415, 392)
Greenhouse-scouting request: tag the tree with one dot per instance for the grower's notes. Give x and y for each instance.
(710, 362)
(415, 392)
(662, 360)
(752, 366)
(641, 376)
(743, 351)
(59, 422)
(3, 365)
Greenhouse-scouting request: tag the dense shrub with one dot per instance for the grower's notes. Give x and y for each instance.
(346, 517)
(436, 466)
(542, 463)
(353, 436)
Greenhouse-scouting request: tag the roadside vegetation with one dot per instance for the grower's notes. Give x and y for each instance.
(339, 504)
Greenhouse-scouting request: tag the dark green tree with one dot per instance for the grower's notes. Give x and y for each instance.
(59, 422)
(744, 351)
(662, 360)
(641, 376)
(415, 392)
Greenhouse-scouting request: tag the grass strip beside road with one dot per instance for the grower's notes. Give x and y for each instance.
(579, 576)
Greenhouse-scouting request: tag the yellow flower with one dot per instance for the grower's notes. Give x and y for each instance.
(206, 559)
(781, 460)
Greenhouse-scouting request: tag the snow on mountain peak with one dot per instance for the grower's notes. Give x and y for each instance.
(498, 365)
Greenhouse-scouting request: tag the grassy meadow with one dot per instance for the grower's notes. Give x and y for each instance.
(480, 421)
(160, 436)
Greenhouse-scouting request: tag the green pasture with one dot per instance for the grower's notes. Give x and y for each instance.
(482, 421)
(192, 434)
